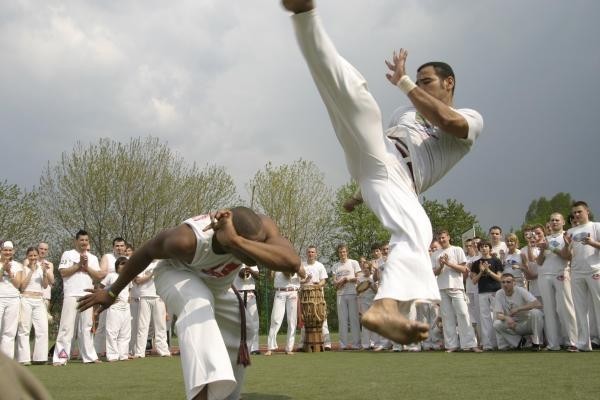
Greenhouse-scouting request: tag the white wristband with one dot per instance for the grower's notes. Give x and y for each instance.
(406, 84)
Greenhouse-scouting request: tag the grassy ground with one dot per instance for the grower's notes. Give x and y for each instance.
(349, 375)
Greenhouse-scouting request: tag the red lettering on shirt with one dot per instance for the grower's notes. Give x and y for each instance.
(221, 271)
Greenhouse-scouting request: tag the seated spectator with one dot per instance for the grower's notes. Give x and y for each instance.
(517, 314)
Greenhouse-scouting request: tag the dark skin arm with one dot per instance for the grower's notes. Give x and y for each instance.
(274, 252)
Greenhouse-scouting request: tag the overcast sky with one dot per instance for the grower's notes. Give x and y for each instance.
(223, 82)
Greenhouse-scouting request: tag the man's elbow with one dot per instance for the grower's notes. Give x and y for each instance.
(454, 125)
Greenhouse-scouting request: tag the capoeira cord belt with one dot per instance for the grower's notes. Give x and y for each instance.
(243, 354)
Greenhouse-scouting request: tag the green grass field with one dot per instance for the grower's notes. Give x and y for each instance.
(349, 375)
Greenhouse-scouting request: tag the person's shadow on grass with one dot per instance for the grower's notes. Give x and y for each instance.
(261, 396)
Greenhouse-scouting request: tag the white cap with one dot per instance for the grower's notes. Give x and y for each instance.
(8, 245)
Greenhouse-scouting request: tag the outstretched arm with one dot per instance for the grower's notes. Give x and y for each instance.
(178, 242)
(434, 110)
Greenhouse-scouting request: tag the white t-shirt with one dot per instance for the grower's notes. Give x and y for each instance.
(553, 263)
(147, 289)
(433, 152)
(519, 298)
(316, 271)
(282, 281)
(122, 298)
(245, 283)
(348, 270)
(216, 270)
(586, 259)
(449, 278)
(512, 265)
(496, 249)
(7, 289)
(75, 285)
(111, 266)
(37, 278)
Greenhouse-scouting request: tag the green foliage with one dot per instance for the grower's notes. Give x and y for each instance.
(557, 375)
(358, 229)
(451, 216)
(296, 197)
(540, 209)
(133, 190)
(19, 217)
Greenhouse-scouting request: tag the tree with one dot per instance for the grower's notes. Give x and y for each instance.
(540, 209)
(452, 216)
(19, 217)
(132, 190)
(296, 197)
(358, 229)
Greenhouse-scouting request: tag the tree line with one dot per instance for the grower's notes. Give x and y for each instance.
(138, 188)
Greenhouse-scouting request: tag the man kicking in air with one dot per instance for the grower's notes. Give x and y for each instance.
(394, 166)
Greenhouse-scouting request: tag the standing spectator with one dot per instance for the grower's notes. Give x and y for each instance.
(449, 265)
(244, 282)
(37, 277)
(584, 245)
(512, 260)
(285, 302)
(43, 250)
(366, 289)
(10, 282)
(316, 274)
(472, 254)
(107, 266)
(78, 268)
(517, 313)
(118, 318)
(486, 274)
(555, 287)
(498, 246)
(151, 309)
(344, 281)
(529, 254)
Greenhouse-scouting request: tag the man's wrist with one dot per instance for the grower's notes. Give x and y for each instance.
(406, 84)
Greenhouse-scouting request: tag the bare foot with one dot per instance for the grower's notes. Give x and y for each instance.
(298, 6)
(385, 318)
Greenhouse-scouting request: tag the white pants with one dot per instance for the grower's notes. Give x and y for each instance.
(368, 338)
(151, 307)
(100, 334)
(208, 325)
(473, 307)
(68, 316)
(252, 323)
(283, 303)
(583, 286)
(9, 322)
(428, 313)
(486, 320)
(559, 311)
(374, 162)
(118, 332)
(455, 313)
(510, 338)
(347, 309)
(134, 309)
(33, 312)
